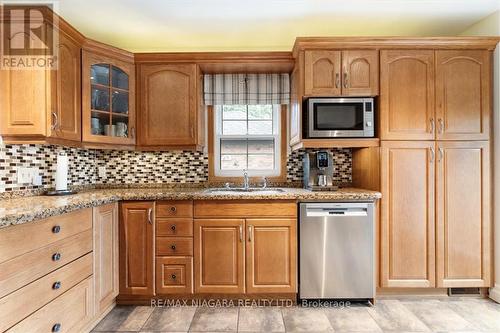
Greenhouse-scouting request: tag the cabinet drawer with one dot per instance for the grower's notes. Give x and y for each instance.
(23, 269)
(174, 227)
(246, 208)
(181, 208)
(14, 239)
(71, 312)
(23, 302)
(174, 246)
(174, 275)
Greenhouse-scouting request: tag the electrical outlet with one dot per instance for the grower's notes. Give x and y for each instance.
(24, 175)
(102, 172)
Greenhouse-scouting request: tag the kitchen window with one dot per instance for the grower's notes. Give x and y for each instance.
(247, 137)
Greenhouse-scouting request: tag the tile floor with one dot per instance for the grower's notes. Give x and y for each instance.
(402, 315)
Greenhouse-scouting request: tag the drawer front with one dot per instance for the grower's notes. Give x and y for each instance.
(70, 312)
(13, 239)
(23, 302)
(174, 227)
(23, 269)
(174, 208)
(244, 209)
(174, 246)
(174, 275)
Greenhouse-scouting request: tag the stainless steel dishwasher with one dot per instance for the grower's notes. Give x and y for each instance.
(337, 250)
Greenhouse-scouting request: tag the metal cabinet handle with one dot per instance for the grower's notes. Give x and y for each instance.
(150, 212)
(173, 209)
(56, 229)
(337, 80)
(441, 126)
(56, 285)
(173, 276)
(173, 227)
(241, 233)
(56, 328)
(56, 256)
(172, 247)
(132, 132)
(249, 233)
(441, 154)
(346, 78)
(432, 155)
(55, 122)
(432, 125)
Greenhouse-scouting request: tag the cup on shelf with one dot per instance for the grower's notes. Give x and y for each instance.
(110, 130)
(95, 126)
(121, 129)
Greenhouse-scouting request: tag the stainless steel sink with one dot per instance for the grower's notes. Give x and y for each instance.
(243, 190)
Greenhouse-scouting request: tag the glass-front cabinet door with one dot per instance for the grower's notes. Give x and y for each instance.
(108, 100)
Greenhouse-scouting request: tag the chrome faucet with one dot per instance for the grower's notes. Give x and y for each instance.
(245, 180)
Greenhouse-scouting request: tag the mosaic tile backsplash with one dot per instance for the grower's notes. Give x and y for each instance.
(130, 167)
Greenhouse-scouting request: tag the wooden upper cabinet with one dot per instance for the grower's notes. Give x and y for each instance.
(463, 94)
(271, 255)
(407, 95)
(108, 93)
(360, 72)
(137, 248)
(407, 214)
(106, 279)
(169, 105)
(463, 210)
(322, 73)
(219, 259)
(65, 122)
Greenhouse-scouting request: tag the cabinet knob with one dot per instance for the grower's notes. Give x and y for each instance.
(56, 285)
(173, 227)
(174, 277)
(172, 247)
(56, 327)
(56, 256)
(173, 209)
(56, 229)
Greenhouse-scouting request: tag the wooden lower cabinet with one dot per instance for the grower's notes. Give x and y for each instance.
(407, 214)
(137, 248)
(219, 258)
(463, 214)
(106, 280)
(271, 255)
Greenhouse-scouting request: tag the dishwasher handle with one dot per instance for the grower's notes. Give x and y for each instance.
(323, 212)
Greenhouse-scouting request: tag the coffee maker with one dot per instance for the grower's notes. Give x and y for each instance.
(318, 171)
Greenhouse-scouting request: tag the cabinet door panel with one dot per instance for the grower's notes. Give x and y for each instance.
(322, 73)
(407, 219)
(219, 255)
(105, 256)
(137, 248)
(463, 214)
(463, 94)
(360, 73)
(65, 123)
(168, 105)
(271, 255)
(407, 95)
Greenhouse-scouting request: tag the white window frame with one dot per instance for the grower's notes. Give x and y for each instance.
(276, 136)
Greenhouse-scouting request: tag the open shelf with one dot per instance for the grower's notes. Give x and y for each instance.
(337, 143)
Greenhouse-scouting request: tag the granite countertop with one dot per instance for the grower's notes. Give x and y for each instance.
(27, 209)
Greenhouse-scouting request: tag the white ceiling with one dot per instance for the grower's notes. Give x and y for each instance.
(224, 25)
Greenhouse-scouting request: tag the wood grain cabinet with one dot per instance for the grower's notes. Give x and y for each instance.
(463, 85)
(108, 105)
(407, 214)
(39, 105)
(106, 279)
(335, 73)
(136, 237)
(170, 115)
(407, 95)
(463, 214)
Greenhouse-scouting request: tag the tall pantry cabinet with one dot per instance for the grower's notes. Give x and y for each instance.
(435, 212)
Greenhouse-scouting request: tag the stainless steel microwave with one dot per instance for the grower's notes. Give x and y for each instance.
(339, 118)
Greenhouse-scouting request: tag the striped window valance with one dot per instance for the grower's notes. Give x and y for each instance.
(223, 89)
